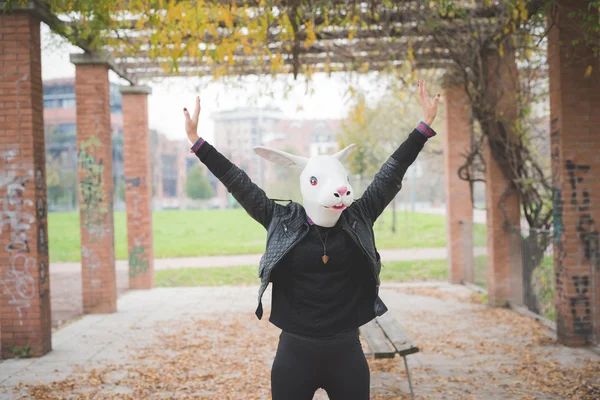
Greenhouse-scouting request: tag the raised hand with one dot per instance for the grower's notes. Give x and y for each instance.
(430, 108)
(191, 124)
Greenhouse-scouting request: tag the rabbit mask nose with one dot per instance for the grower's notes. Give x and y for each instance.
(342, 190)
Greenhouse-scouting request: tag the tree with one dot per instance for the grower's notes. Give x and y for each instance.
(197, 186)
(379, 130)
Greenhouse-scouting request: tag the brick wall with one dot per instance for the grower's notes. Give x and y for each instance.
(24, 282)
(94, 164)
(459, 216)
(575, 142)
(138, 192)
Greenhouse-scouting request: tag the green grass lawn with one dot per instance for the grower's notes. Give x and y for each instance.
(189, 233)
(391, 272)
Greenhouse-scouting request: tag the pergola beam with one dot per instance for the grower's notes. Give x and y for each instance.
(207, 70)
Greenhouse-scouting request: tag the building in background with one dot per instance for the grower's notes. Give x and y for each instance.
(171, 163)
(237, 132)
(171, 159)
(60, 127)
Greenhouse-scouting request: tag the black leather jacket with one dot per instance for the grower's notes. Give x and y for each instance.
(287, 224)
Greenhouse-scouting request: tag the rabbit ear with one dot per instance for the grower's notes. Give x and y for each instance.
(281, 157)
(342, 154)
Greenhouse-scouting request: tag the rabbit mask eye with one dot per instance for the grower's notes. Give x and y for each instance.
(313, 181)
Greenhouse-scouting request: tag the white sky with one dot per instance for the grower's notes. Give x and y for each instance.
(171, 95)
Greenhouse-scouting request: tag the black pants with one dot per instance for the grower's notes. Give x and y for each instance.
(302, 365)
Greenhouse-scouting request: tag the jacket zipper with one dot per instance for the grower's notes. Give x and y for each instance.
(288, 250)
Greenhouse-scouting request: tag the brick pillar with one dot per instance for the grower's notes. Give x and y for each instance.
(459, 209)
(575, 142)
(504, 266)
(94, 165)
(25, 316)
(138, 192)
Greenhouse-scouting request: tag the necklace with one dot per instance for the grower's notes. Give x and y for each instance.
(325, 257)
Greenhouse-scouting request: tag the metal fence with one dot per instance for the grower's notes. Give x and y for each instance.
(474, 239)
(532, 265)
(535, 247)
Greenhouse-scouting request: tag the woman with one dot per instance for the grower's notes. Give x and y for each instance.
(321, 258)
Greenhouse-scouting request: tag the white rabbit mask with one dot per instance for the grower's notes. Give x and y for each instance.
(324, 182)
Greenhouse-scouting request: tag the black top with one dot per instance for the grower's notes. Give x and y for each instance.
(312, 298)
(309, 297)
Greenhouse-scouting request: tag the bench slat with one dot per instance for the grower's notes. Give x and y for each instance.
(394, 332)
(377, 341)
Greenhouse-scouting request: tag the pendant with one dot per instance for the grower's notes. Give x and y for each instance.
(325, 258)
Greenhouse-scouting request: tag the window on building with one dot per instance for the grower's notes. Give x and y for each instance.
(68, 103)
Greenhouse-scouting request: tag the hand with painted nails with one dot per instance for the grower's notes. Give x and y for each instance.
(191, 123)
(430, 108)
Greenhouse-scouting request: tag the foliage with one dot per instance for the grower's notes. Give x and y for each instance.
(239, 37)
(197, 186)
(21, 352)
(378, 130)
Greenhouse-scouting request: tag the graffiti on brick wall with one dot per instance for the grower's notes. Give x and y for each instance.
(15, 218)
(134, 192)
(586, 226)
(557, 203)
(589, 238)
(133, 182)
(42, 272)
(40, 212)
(138, 259)
(581, 307)
(91, 189)
(91, 258)
(18, 281)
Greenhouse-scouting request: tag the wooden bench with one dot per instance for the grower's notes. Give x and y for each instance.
(386, 338)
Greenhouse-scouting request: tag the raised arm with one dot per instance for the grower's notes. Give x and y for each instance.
(388, 180)
(251, 197)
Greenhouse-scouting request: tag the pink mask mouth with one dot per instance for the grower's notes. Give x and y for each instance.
(341, 207)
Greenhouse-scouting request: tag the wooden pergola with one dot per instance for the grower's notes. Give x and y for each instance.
(381, 36)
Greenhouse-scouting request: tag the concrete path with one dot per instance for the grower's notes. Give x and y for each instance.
(253, 259)
(206, 343)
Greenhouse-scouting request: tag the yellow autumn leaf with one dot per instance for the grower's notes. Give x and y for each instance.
(411, 54)
(228, 19)
(588, 71)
